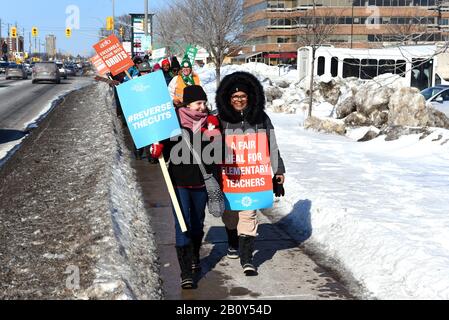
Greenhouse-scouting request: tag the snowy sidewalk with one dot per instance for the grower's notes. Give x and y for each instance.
(72, 222)
(380, 208)
(285, 271)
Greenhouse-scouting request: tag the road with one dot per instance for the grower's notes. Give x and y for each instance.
(21, 101)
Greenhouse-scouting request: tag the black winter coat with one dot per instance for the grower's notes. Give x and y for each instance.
(252, 118)
(182, 169)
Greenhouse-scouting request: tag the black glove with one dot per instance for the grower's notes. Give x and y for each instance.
(278, 189)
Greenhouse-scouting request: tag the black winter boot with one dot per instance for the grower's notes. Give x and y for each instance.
(197, 241)
(185, 256)
(233, 244)
(246, 244)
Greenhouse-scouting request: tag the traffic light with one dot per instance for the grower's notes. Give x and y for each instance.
(68, 32)
(13, 32)
(34, 32)
(110, 23)
(122, 31)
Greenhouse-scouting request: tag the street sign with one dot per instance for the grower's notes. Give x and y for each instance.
(146, 43)
(34, 32)
(139, 42)
(113, 55)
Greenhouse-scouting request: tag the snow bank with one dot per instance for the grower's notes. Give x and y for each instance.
(127, 266)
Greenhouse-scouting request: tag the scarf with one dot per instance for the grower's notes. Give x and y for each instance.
(193, 120)
(188, 80)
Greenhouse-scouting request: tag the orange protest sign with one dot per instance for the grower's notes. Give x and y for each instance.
(99, 65)
(246, 173)
(113, 55)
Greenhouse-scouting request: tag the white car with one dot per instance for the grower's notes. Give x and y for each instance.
(62, 70)
(438, 98)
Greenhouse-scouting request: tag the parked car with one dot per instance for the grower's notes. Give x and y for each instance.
(438, 98)
(17, 71)
(46, 71)
(3, 66)
(62, 70)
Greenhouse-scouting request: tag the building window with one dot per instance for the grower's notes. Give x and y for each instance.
(351, 68)
(334, 66)
(321, 65)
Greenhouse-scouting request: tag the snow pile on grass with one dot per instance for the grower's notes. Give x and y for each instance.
(379, 209)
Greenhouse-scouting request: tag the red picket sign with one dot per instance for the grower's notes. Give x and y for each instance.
(99, 65)
(113, 55)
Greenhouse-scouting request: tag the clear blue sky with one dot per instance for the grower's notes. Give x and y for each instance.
(49, 16)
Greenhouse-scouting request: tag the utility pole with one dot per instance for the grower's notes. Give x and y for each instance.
(145, 27)
(113, 16)
(0, 29)
(17, 40)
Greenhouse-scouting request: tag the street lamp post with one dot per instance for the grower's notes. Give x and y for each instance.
(113, 16)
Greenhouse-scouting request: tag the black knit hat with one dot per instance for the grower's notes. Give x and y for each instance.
(238, 86)
(175, 63)
(193, 93)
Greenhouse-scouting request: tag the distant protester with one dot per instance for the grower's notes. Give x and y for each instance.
(185, 78)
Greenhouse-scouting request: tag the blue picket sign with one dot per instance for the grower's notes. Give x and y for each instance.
(148, 109)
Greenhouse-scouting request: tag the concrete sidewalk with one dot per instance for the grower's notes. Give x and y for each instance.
(285, 271)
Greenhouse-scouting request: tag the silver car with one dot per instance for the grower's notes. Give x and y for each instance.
(438, 98)
(46, 71)
(17, 71)
(62, 70)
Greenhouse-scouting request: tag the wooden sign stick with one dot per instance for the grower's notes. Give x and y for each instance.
(171, 191)
(129, 76)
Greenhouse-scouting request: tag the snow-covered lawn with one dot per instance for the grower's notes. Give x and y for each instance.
(379, 208)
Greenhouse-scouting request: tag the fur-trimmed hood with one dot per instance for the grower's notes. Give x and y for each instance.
(254, 113)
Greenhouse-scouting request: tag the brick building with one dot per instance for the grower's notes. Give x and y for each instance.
(273, 27)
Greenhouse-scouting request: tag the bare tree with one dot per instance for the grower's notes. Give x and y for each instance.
(315, 32)
(215, 25)
(169, 30)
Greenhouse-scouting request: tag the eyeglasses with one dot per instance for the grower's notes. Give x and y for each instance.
(240, 98)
